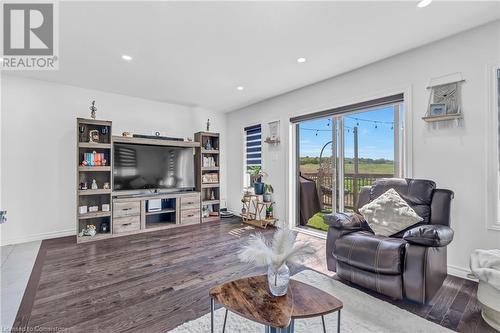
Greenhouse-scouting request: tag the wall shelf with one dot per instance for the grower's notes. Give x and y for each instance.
(209, 151)
(94, 192)
(87, 174)
(94, 145)
(94, 168)
(431, 119)
(210, 192)
(209, 185)
(93, 215)
(163, 211)
(209, 168)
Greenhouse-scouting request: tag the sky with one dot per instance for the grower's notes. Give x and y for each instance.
(375, 140)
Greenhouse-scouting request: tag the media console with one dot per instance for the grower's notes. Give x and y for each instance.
(131, 214)
(105, 213)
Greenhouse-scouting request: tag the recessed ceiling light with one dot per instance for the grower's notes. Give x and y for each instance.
(240, 88)
(424, 3)
(126, 57)
(301, 60)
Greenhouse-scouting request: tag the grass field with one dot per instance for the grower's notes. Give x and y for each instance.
(349, 168)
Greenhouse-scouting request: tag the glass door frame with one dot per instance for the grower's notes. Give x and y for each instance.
(401, 167)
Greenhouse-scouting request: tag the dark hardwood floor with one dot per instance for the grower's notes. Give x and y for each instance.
(153, 282)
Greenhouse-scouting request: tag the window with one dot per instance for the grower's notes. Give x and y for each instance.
(253, 149)
(339, 151)
(498, 146)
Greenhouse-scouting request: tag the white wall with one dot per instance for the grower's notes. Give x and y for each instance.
(38, 145)
(453, 156)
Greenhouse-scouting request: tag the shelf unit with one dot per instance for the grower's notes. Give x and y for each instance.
(87, 173)
(207, 159)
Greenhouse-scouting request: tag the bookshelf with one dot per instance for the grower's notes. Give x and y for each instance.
(207, 159)
(94, 154)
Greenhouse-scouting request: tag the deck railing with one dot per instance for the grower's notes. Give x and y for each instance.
(352, 185)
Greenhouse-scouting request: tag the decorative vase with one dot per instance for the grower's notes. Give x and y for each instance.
(278, 280)
(259, 188)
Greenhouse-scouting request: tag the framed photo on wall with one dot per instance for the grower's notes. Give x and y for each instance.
(437, 109)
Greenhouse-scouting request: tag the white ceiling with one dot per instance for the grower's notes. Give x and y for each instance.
(197, 53)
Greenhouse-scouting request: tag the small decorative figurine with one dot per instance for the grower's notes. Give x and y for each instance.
(3, 216)
(208, 125)
(93, 109)
(104, 227)
(212, 197)
(94, 136)
(83, 209)
(89, 230)
(94, 184)
(83, 186)
(208, 144)
(106, 186)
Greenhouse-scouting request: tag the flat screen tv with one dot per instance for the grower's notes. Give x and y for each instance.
(145, 169)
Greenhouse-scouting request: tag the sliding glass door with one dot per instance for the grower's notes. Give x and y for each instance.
(339, 154)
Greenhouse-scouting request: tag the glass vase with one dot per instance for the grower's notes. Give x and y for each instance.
(278, 280)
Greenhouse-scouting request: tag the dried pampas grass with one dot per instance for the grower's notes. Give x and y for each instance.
(283, 249)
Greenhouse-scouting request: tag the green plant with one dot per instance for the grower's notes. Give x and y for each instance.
(268, 189)
(256, 173)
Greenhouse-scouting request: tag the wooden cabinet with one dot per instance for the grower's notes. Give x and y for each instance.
(208, 174)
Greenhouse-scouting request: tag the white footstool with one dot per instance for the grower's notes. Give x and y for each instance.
(485, 265)
(489, 297)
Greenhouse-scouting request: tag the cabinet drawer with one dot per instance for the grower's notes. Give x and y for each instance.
(190, 213)
(190, 216)
(190, 202)
(123, 209)
(126, 224)
(190, 220)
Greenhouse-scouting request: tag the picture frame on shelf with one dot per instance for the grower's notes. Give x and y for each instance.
(437, 109)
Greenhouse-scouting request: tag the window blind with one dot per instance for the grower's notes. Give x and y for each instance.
(253, 145)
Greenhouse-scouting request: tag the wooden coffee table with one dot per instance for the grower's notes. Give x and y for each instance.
(251, 299)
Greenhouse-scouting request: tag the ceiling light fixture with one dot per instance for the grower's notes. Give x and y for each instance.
(301, 60)
(424, 3)
(239, 88)
(126, 57)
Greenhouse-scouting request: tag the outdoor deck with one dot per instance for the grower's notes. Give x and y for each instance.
(353, 183)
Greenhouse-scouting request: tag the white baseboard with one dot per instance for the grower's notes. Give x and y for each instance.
(460, 272)
(41, 236)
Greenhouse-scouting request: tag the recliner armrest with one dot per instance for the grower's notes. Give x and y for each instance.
(346, 221)
(429, 235)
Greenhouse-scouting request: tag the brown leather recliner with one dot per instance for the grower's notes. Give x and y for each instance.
(410, 264)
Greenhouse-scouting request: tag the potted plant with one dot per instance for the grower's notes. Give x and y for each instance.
(256, 175)
(269, 212)
(268, 193)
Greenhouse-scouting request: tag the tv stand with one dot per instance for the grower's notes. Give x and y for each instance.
(131, 216)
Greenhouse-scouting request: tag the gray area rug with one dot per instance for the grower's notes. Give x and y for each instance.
(361, 313)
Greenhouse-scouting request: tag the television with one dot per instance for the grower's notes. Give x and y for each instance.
(139, 169)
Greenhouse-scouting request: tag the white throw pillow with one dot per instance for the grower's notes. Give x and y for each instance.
(389, 214)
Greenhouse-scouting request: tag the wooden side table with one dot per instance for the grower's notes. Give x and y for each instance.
(255, 210)
(251, 299)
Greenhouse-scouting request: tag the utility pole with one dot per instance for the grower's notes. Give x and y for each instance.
(356, 167)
